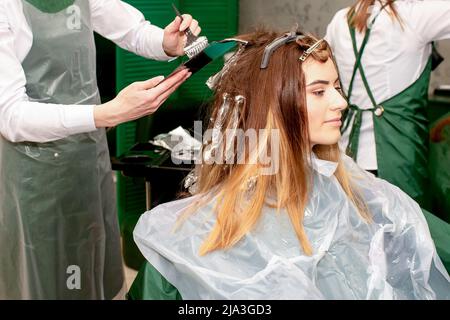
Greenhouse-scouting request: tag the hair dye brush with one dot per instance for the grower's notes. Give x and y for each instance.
(200, 52)
(215, 50)
(194, 45)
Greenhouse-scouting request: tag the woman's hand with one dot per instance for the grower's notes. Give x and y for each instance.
(137, 100)
(174, 37)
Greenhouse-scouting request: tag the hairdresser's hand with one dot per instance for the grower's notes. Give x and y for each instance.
(174, 37)
(137, 100)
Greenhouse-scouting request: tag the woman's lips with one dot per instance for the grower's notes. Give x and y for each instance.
(334, 122)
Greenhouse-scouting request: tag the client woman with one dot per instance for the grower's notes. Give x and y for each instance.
(288, 217)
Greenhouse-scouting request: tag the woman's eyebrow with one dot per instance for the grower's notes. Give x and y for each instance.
(318, 82)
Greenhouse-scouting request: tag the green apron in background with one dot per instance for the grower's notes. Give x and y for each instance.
(439, 168)
(59, 235)
(401, 131)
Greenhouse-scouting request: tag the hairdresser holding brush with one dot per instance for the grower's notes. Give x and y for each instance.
(59, 237)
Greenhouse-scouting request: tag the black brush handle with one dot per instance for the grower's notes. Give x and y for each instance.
(190, 36)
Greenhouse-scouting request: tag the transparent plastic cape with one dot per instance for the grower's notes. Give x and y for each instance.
(392, 258)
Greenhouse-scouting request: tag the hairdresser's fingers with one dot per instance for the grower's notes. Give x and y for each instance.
(193, 25)
(174, 26)
(168, 83)
(150, 83)
(197, 31)
(163, 97)
(187, 20)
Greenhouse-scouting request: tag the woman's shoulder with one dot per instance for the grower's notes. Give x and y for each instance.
(11, 7)
(7, 3)
(162, 220)
(334, 28)
(8, 8)
(367, 181)
(384, 200)
(339, 16)
(168, 211)
(11, 12)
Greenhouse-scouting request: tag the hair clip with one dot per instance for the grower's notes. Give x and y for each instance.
(275, 44)
(310, 50)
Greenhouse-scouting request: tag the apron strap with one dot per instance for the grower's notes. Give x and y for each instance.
(358, 55)
(358, 66)
(354, 112)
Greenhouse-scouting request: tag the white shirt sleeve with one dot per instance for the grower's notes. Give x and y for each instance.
(430, 19)
(329, 32)
(127, 27)
(22, 120)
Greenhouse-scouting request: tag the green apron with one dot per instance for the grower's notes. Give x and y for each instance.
(59, 235)
(400, 127)
(439, 160)
(402, 142)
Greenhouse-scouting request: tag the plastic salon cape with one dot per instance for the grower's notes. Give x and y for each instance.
(392, 258)
(59, 236)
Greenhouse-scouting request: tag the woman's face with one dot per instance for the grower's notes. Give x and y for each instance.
(324, 102)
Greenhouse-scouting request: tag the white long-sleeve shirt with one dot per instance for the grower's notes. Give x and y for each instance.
(393, 59)
(22, 120)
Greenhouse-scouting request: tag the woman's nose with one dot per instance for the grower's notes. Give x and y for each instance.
(338, 101)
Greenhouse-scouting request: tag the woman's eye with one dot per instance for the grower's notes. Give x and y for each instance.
(339, 89)
(318, 93)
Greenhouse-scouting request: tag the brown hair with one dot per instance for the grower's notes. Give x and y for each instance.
(275, 98)
(358, 13)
